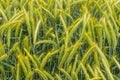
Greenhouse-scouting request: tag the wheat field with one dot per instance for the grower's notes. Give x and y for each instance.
(59, 39)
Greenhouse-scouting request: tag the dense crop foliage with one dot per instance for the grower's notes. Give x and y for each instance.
(59, 39)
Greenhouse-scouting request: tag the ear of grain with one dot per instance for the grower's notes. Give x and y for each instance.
(65, 73)
(41, 74)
